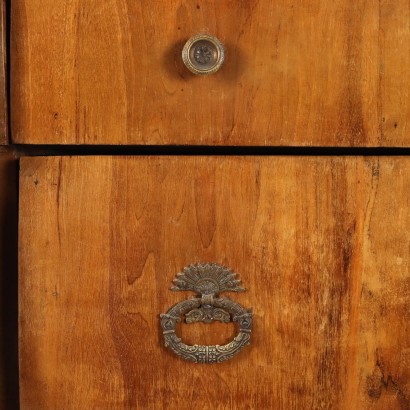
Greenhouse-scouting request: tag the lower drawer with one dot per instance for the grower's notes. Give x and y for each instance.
(321, 246)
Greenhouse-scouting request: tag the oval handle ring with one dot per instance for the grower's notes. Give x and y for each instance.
(207, 280)
(203, 54)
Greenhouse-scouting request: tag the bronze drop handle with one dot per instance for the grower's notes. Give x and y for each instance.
(207, 280)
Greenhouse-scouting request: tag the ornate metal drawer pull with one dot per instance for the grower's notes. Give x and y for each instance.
(207, 280)
(203, 54)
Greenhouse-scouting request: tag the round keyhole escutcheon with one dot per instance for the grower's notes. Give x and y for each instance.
(203, 54)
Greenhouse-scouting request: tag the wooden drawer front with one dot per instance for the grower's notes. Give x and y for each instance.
(322, 245)
(321, 73)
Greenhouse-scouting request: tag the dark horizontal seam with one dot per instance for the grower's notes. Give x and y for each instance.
(194, 150)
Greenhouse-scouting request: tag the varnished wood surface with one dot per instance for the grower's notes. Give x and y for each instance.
(3, 92)
(321, 244)
(9, 378)
(309, 73)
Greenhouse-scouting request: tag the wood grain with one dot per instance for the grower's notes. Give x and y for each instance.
(4, 139)
(9, 378)
(321, 244)
(394, 103)
(306, 73)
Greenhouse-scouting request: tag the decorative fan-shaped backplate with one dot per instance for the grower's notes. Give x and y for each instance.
(207, 279)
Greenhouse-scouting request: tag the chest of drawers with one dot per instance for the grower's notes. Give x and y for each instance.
(321, 243)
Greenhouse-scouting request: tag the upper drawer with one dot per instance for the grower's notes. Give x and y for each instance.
(322, 73)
